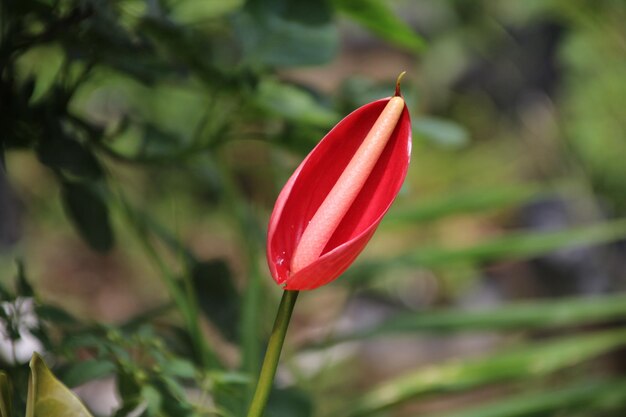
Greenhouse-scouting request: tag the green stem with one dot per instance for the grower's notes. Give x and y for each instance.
(274, 346)
(243, 215)
(184, 298)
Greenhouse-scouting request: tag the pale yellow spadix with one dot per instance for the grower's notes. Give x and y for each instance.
(336, 204)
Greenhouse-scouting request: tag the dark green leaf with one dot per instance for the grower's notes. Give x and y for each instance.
(302, 11)
(5, 295)
(182, 45)
(56, 315)
(10, 227)
(289, 402)
(24, 288)
(128, 389)
(64, 154)
(155, 142)
(173, 398)
(89, 213)
(217, 295)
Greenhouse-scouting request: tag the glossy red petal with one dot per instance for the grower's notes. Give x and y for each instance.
(313, 180)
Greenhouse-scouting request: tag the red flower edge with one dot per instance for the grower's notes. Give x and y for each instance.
(308, 186)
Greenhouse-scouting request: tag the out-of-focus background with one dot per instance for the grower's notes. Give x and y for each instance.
(144, 144)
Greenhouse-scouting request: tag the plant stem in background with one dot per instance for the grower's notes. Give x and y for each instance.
(183, 296)
(274, 347)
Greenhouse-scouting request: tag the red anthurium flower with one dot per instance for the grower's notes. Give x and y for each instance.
(332, 204)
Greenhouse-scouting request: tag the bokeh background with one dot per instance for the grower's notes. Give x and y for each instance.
(144, 144)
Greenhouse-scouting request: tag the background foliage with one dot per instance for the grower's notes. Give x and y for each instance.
(144, 142)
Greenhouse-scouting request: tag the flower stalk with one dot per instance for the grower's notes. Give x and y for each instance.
(272, 354)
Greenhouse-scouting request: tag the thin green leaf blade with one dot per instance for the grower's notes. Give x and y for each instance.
(462, 202)
(546, 403)
(522, 245)
(532, 361)
(573, 311)
(518, 245)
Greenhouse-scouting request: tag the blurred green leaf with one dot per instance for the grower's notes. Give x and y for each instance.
(183, 45)
(301, 11)
(217, 295)
(89, 213)
(47, 397)
(594, 98)
(289, 402)
(153, 399)
(87, 370)
(376, 16)
(293, 104)
(512, 246)
(24, 288)
(197, 11)
(180, 368)
(62, 153)
(55, 315)
(444, 133)
(157, 143)
(527, 315)
(5, 396)
(129, 391)
(530, 361)
(522, 245)
(356, 91)
(42, 64)
(465, 201)
(173, 398)
(286, 33)
(536, 404)
(231, 378)
(10, 206)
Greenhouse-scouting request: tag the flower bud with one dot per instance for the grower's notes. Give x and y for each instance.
(335, 200)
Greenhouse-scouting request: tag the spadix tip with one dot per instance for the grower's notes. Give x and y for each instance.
(398, 81)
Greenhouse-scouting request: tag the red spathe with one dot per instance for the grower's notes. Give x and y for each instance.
(312, 181)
